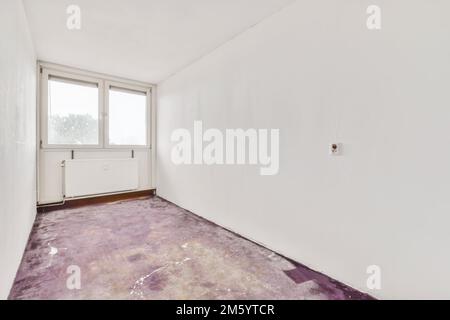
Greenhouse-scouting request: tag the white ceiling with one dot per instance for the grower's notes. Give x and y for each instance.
(145, 40)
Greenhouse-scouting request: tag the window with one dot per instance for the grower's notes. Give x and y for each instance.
(127, 117)
(72, 112)
(83, 111)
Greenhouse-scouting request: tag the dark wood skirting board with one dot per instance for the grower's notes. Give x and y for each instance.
(75, 203)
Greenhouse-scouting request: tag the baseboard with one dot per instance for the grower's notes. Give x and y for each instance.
(75, 203)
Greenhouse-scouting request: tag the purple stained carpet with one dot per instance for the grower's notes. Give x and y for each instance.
(152, 249)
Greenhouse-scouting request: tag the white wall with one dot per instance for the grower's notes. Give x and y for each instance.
(17, 139)
(319, 75)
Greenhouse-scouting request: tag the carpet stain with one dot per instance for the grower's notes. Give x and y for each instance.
(152, 249)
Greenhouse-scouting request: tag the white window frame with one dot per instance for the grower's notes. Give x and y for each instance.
(147, 91)
(103, 83)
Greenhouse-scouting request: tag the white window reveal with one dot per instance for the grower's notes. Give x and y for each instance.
(79, 111)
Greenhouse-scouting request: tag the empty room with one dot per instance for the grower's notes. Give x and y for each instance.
(224, 150)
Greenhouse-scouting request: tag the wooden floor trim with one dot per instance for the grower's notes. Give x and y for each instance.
(75, 203)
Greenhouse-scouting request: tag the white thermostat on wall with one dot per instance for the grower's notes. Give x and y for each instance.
(335, 149)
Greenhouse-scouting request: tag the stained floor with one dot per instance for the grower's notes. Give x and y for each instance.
(152, 249)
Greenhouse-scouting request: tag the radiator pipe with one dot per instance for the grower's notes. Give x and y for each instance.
(54, 204)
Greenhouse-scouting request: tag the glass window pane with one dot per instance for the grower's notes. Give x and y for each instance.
(127, 118)
(72, 113)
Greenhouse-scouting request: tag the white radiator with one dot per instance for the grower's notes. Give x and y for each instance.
(86, 177)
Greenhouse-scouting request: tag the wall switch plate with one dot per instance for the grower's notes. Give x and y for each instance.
(335, 149)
